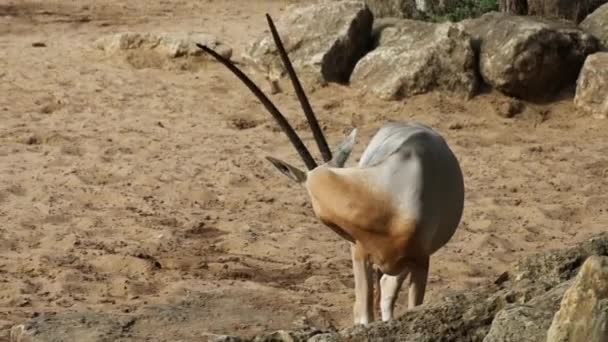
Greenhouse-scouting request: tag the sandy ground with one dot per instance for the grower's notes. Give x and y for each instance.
(122, 186)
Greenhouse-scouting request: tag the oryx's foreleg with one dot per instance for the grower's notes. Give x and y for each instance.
(362, 270)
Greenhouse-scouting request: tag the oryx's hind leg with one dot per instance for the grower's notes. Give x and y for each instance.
(377, 276)
(419, 273)
(364, 294)
(389, 291)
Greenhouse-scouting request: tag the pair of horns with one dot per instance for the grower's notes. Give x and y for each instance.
(278, 116)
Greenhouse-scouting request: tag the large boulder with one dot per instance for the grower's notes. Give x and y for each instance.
(592, 85)
(583, 315)
(414, 57)
(528, 57)
(597, 25)
(573, 10)
(326, 38)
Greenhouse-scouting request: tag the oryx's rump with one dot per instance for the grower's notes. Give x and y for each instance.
(424, 178)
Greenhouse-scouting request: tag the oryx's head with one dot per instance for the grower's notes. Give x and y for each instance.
(342, 151)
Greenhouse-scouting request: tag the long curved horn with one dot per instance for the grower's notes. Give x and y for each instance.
(310, 115)
(280, 118)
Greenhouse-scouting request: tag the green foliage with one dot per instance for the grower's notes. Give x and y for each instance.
(466, 9)
(487, 6)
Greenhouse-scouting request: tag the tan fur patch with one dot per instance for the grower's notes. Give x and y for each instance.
(348, 206)
(348, 202)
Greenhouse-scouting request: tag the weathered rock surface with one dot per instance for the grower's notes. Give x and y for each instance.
(170, 45)
(519, 306)
(326, 38)
(414, 57)
(597, 25)
(574, 10)
(72, 327)
(592, 85)
(583, 315)
(527, 57)
(527, 322)
(182, 319)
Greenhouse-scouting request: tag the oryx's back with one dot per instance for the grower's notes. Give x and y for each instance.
(422, 174)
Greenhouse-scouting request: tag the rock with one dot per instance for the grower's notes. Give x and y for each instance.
(273, 86)
(557, 266)
(225, 338)
(326, 337)
(527, 322)
(592, 86)
(527, 57)
(574, 10)
(478, 27)
(509, 107)
(72, 327)
(583, 314)
(301, 335)
(319, 319)
(597, 25)
(326, 39)
(170, 45)
(415, 57)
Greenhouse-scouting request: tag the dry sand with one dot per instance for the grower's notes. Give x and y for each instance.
(122, 184)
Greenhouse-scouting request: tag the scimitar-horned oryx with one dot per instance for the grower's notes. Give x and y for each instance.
(401, 204)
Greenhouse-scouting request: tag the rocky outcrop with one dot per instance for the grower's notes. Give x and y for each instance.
(573, 10)
(583, 315)
(518, 306)
(529, 321)
(526, 57)
(172, 50)
(414, 57)
(597, 25)
(592, 86)
(170, 45)
(326, 38)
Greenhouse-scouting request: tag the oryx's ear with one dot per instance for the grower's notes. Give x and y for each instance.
(290, 171)
(343, 150)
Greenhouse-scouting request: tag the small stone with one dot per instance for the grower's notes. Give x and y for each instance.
(273, 87)
(510, 107)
